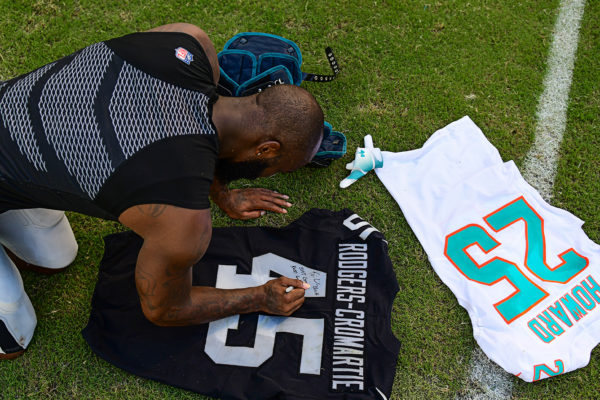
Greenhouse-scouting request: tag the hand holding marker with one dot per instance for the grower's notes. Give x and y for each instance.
(305, 286)
(365, 159)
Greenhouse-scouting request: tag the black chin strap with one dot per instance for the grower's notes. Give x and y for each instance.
(325, 78)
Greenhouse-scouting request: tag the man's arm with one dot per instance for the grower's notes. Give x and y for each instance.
(175, 239)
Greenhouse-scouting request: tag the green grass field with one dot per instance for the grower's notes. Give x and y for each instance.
(408, 69)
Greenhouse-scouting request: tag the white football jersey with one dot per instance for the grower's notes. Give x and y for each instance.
(524, 270)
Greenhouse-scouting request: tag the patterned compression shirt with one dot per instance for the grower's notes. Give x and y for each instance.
(116, 124)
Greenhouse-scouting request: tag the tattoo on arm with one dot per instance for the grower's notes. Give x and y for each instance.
(152, 210)
(211, 309)
(179, 311)
(146, 285)
(147, 288)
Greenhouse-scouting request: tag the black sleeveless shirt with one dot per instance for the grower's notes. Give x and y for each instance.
(116, 124)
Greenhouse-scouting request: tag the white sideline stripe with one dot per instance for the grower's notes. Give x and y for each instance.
(540, 164)
(487, 380)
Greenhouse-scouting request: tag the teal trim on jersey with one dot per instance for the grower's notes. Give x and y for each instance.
(538, 369)
(527, 293)
(573, 263)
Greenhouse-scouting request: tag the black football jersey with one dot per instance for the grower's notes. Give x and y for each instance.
(338, 345)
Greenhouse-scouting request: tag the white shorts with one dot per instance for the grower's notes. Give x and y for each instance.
(39, 237)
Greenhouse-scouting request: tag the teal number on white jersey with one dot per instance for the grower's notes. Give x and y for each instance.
(538, 369)
(526, 293)
(535, 256)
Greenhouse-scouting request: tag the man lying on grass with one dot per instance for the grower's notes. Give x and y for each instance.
(132, 129)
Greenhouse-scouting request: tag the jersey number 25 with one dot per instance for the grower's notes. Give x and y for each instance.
(526, 294)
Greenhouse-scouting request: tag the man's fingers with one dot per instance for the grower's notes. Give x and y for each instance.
(271, 206)
(269, 195)
(283, 196)
(252, 214)
(252, 191)
(264, 199)
(295, 294)
(285, 281)
(277, 201)
(296, 305)
(273, 193)
(265, 195)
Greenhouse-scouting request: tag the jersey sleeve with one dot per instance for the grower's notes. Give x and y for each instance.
(173, 57)
(176, 171)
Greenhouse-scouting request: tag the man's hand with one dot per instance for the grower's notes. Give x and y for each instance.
(253, 203)
(279, 299)
(247, 203)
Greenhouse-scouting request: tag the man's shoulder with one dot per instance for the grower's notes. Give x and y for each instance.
(174, 57)
(190, 29)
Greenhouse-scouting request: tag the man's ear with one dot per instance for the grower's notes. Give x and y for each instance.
(268, 149)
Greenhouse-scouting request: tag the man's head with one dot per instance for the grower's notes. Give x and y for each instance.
(277, 130)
